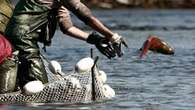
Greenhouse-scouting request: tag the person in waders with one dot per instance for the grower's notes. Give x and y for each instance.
(8, 65)
(35, 21)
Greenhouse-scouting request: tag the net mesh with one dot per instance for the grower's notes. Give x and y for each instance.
(63, 89)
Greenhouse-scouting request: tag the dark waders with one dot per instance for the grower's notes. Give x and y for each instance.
(8, 74)
(22, 32)
(8, 67)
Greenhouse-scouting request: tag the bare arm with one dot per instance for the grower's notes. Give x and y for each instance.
(98, 26)
(83, 13)
(77, 33)
(67, 27)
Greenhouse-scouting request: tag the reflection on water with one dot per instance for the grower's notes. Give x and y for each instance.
(157, 82)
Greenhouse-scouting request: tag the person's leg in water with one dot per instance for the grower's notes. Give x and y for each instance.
(31, 66)
(8, 74)
(8, 68)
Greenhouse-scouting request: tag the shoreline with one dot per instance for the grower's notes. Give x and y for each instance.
(136, 4)
(145, 4)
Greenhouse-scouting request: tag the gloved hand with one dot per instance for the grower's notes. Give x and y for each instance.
(117, 42)
(102, 44)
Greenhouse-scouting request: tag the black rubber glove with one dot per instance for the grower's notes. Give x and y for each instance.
(117, 43)
(102, 44)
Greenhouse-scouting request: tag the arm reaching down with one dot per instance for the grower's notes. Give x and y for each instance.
(113, 40)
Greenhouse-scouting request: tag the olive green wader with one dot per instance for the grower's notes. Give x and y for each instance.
(8, 74)
(27, 26)
(8, 67)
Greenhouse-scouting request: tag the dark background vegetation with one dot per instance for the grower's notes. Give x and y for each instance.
(141, 3)
(138, 3)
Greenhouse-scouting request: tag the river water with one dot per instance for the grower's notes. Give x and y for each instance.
(156, 82)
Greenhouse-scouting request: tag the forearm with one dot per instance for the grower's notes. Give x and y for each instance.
(67, 27)
(84, 13)
(77, 33)
(100, 27)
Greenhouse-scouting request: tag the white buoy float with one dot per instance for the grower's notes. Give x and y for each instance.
(75, 83)
(55, 67)
(84, 65)
(102, 76)
(108, 91)
(33, 87)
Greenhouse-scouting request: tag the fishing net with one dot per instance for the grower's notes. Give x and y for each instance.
(70, 88)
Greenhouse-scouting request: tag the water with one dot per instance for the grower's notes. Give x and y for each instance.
(157, 82)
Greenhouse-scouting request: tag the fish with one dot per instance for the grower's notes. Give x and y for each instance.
(155, 44)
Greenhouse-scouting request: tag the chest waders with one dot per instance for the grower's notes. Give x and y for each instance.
(25, 29)
(8, 67)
